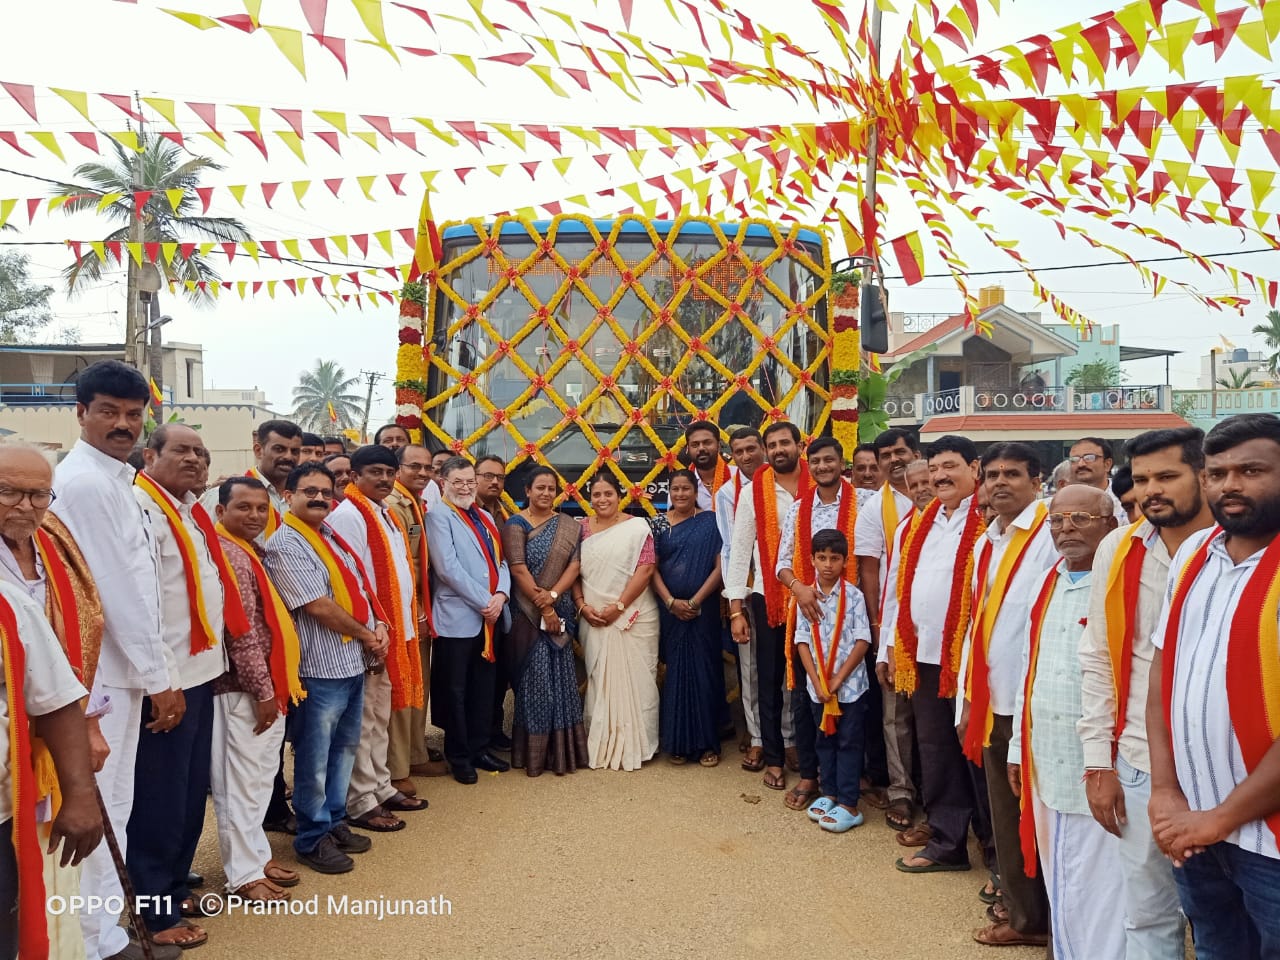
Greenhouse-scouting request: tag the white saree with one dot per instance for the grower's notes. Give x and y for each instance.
(621, 709)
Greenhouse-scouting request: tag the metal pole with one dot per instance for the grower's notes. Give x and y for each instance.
(368, 402)
(155, 358)
(1213, 383)
(873, 142)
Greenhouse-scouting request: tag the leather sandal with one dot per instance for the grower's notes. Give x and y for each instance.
(1003, 935)
(281, 876)
(753, 761)
(261, 891)
(917, 836)
(184, 935)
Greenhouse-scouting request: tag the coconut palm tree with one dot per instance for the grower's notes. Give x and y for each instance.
(326, 383)
(157, 168)
(1237, 380)
(1270, 333)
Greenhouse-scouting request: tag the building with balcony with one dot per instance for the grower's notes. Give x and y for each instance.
(1014, 384)
(38, 398)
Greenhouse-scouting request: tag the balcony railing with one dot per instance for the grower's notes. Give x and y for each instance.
(901, 407)
(37, 394)
(967, 401)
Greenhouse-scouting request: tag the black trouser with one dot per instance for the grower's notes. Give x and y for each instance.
(1023, 896)
(503, 675)
(8, 893)
(771, 675)
(876, 767)
(802, 723)
(945, 786)
(466, 681)
(278, 810)
(171, 786)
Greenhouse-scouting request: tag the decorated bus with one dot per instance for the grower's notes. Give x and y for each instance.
(590, 344)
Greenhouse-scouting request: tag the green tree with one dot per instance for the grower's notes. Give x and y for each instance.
(155, 170)
(1096, 375)
(24, 306)
(1270, 333)
(326, 383)
(1237, 380)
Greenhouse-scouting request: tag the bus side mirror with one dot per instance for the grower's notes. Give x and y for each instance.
(874, 324)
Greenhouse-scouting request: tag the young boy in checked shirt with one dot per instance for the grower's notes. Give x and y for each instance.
(832, 652)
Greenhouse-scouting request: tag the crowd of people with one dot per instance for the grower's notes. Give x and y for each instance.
(1087, 686)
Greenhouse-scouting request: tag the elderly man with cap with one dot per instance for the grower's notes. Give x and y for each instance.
(364, 521)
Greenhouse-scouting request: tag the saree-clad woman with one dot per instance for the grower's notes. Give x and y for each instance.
(687, 583)
(541, 546)
(618, 620)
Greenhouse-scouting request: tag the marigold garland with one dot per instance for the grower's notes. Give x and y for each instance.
(956, 625)
(454, 312)
(768, 537)
(846, 357)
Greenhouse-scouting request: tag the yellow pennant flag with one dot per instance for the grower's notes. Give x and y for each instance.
(77, 98)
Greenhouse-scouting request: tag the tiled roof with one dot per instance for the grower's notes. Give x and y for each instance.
(950, 325)
(1078, 422)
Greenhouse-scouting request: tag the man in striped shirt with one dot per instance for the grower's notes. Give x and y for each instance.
(327, 723)
(1215, 765)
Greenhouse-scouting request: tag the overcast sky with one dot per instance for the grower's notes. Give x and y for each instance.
(115, 47)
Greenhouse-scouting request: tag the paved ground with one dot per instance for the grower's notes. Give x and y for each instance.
(666, 862)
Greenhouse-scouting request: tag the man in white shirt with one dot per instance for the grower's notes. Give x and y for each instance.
(171, 781)
(1130, 578)
(1215, 763)
(49, 693)
(864, 468)
(751, 575)
(1091, 460)
(747, 451)
(1010, 561)
(371, 797)
(946, 533)
(702, 447)
(95, 500)
(277, 449)
(1079, 860)
(878, 518)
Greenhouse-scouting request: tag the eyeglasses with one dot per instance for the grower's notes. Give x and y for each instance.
(11, 497)
(462, 484)
(316, 493)
(1086, 458)
(1078, 518)
(491, 476)
(415, 467)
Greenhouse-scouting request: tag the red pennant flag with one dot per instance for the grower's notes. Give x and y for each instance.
(408, 236)
(33, 204)
(270, 248)
(395, 179)
(361, 240)
(11, 138)
(24, 95)
(206, 196)
(86, 139)
(207, 112)
(269, 192)
(314, 11)
(124, 103)
(335, 45)
(319, 245)
(151, 250)
(909, 253)
(173, 136)
(256, 139)
(294, 117)
(381, 124)
(331, 138)
(333, 185)
(229, 250)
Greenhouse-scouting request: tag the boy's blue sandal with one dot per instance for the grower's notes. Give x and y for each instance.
(838, 820)
(821, 807)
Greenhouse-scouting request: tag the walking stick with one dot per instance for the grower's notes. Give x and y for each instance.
(130, 901)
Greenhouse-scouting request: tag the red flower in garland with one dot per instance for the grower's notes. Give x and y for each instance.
(604, 313)
(570, 490)
(702, 415)
(604, 454)
(410, 335)
(467, 379)
(530, 449)
(471, 312)
(457, 446)
(637, 492)
(788, 245)
(543, 314)
(757, 270)
(732, 249)
(742, 383)
(499, 416)
(661, 247)
(690, 275)
(491, 245)
(409, 421)
(806, 376)
(539, 381)
(544, 248)
(571, 413)
(628, 278)
(667, 383)
(696, 344)
(665, 317)
(574, 272)
(671, 460)
(631, 348)
(502, 347)
(775, 413)
(571, 346)
(608, 382)
(736, 309)
(511, 274)
(768, 343)
(411, 308)
(603, 245)
(637, 416)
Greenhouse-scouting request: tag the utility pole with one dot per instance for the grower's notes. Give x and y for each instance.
(133, 304)
(873, 141)
(373, 377)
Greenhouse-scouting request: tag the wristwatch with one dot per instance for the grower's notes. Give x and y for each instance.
(554, 596)
(622, 607)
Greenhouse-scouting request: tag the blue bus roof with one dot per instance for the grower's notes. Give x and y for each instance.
(663, 227)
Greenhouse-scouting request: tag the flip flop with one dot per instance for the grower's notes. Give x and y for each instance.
(281, 876)
(778, 782)
(402, 804)
(916, 836)
(992, 895)
(710, 759)
(201, 936)
(839, 820)
(753, 762)
(898, 814)
(797, 799)
(366, 822)
(820, 808)
(931, 867)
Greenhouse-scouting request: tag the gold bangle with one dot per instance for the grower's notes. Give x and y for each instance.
(736, 613)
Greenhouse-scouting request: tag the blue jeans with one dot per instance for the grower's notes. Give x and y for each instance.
(325, 736)
(840, 753)
(1232, 898)
(1154, 928)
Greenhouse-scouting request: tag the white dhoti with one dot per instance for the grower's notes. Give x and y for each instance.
(370, 776)
(243, 771)
(66, 939)
(1084, 880)
(749, 686)
(103, 936)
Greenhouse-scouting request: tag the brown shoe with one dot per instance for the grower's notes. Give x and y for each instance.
(405, 786)
(1003, 935)
(432, 768)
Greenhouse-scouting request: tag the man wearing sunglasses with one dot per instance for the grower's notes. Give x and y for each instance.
(1091, 461)
(324, 586)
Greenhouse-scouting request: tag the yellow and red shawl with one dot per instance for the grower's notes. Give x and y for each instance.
(768, 536)
(1027, 822)
(1124, 584)
(404, 663)
(423, 559)
(825, 664)
(986, 608)
(1253, 656)
(492, 551)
